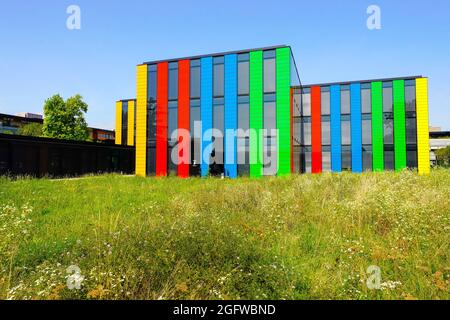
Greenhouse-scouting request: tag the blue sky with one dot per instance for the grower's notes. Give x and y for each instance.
(39, 56)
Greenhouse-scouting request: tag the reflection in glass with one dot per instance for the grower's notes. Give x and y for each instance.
(345, 100)
(306, 104)
(325, 103)
(366, 101)
(173, 80)
(269, 75)
(195, 79)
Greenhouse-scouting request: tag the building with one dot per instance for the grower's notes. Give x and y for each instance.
(125, 118)
(246, 113)
(30, 115)
(370, 125)
(10, 124)
(438, 140)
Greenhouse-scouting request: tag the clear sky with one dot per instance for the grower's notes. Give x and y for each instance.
(39, 56)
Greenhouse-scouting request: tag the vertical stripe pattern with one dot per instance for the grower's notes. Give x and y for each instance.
(161, 118)
(256, 113)
(377, 126)
(335, 127)
(283, 110)
(141, 120)
(356, 126)
(399, 124)
(423, 139)
(184, 70)
(206, 112)
(130, 133)
(316, 130)
(230, 144)
(118, 133)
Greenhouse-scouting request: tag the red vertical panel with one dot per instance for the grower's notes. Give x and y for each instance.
(161, 118)
(292, 132)
(316, 130)
(183, 117)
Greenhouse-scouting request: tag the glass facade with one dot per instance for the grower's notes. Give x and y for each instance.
(371, 100)
(275, 122)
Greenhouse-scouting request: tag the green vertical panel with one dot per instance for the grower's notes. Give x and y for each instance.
(399, 125)
(256, 113)
(377, 126)
(283, 97)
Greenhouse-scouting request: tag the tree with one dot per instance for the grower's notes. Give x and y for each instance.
(443, 157)
(31, 129)
(65, 119)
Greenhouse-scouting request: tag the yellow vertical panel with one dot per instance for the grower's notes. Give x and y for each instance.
(141, 120)
(423, 138)
(118, 133)
(130, 137)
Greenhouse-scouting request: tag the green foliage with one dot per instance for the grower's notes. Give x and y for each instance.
(443, 157)
(65, 119)
(300, 237)
(31, 129)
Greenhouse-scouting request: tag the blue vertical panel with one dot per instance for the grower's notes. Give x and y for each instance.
(206, 101)
(356, 126)
(230, 156)
(335, 126)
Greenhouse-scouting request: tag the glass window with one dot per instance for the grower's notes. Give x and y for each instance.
(218, 123)
(367, 157)
(346, 137)
(325, 102)
(387, 100)
(306, 104)
(219, 79)
(388, 130)
(411, 158)
(366, 132)
(366, 101)
(297, 104)
(326, 133)
(326, 161)
(411, 131)
(307, 131)
(270, 156)
(243, 156)
(346, 158)
(172, 122)
(410, 98)
(269, 75)
(173, 80)
(125, 122)
(345, 100)
(194, 118)
(243, 139)
(243, 77)
(388, 160)
(308, 162)
(151, 87)
(297, 131)
(270, 118)
(195, 79)
(297, 156)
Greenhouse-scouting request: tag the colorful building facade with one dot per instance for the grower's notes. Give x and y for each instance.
(245, 113)
(371, 125)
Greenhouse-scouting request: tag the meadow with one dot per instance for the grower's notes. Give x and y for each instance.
(299, 237)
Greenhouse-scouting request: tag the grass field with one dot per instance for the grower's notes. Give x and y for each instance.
(302, 237)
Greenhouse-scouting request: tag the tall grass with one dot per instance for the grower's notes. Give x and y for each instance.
(302, 237)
